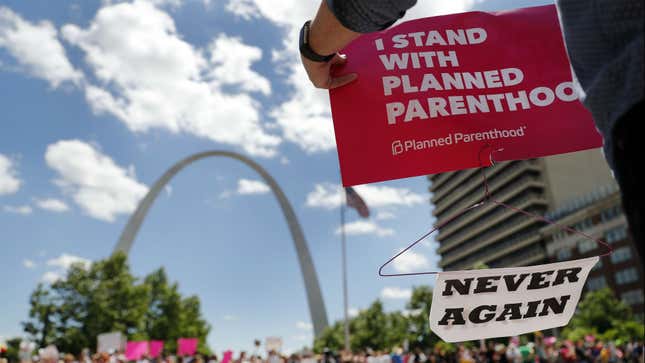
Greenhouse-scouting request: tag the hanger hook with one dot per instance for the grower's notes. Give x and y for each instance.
(483, 167)
(492, 152)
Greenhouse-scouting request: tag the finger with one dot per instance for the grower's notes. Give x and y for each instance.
(342, 80)
(338, 59)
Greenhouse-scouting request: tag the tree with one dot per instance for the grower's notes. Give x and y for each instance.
(106, 297)
(12, 350)
(419, 334)
(332, 338)
(374, 328)
(600, 313)
(41, 312)
(370, 328)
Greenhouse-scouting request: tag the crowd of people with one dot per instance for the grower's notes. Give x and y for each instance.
(538, 351)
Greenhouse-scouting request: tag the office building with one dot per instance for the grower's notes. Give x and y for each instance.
(600, 216)
(499, 237)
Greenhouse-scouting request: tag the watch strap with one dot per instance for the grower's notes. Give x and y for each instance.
(306, 50)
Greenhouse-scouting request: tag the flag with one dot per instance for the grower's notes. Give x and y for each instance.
(355, 201)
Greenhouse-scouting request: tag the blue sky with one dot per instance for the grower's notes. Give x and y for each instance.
(99, 98)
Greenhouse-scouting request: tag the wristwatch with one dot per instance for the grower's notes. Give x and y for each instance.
(306, 50)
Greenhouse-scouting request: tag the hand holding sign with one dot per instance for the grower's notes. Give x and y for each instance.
(431, 92)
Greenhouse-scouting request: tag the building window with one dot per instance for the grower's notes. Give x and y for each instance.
(564, 254)
(610, 213)
(584, 224)
(626, 276)
(596, 283)
(616, 234)
(621, 254)
(633, 297)
(559, 235)
(586, 245)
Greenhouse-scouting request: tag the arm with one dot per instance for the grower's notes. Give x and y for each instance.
(337, 23)
(327, 36)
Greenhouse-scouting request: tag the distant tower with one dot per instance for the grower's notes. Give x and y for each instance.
(314, 296)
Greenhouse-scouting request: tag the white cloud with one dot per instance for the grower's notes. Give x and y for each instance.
(51, 276)
(302, 337)
(230, 317)
(65, 261)
(353, 312)
(52, 205)
(360, 227)
(329, 196)
(245, 9)
(99, 186)
(150, 78)
(249, 187)
(304, 325)
(412, 312)
(384, 215)
(9, 181)
(425, 9)
(60, 266)
(395, 293)
(305, 118)
(410, 262)
(18, 209)
(325, 195)
(160, 3)
(36, 48)
(28, 263)
(232, 61)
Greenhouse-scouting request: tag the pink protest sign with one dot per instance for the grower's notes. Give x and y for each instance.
(228, 356)
(186, 346)
(135, 350)
(431, 93)
(550, 340)
(156, 346)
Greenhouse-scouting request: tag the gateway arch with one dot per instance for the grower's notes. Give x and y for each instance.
(314, 295)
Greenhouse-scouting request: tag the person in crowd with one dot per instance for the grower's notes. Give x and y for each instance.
(397, 355)
(273, 357)
(49, 354)
(327, 356)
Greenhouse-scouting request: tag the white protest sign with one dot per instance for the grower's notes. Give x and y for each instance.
(490, 303)
(107, 342)
(273, 343)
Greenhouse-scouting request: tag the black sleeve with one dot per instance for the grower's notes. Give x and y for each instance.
(365, 16)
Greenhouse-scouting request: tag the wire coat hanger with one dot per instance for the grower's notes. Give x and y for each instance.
(486, 199)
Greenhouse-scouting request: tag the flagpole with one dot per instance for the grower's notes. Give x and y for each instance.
(344, 262)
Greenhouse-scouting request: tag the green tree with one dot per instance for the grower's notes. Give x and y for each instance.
(42, 310)
(370, 328)
(373, 328)
(600, 313)
(13, 348)
(169, 316)
(332, 337)
(419, 333)
(106, 297)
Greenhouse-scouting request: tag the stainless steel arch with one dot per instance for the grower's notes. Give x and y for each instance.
(314, 295)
